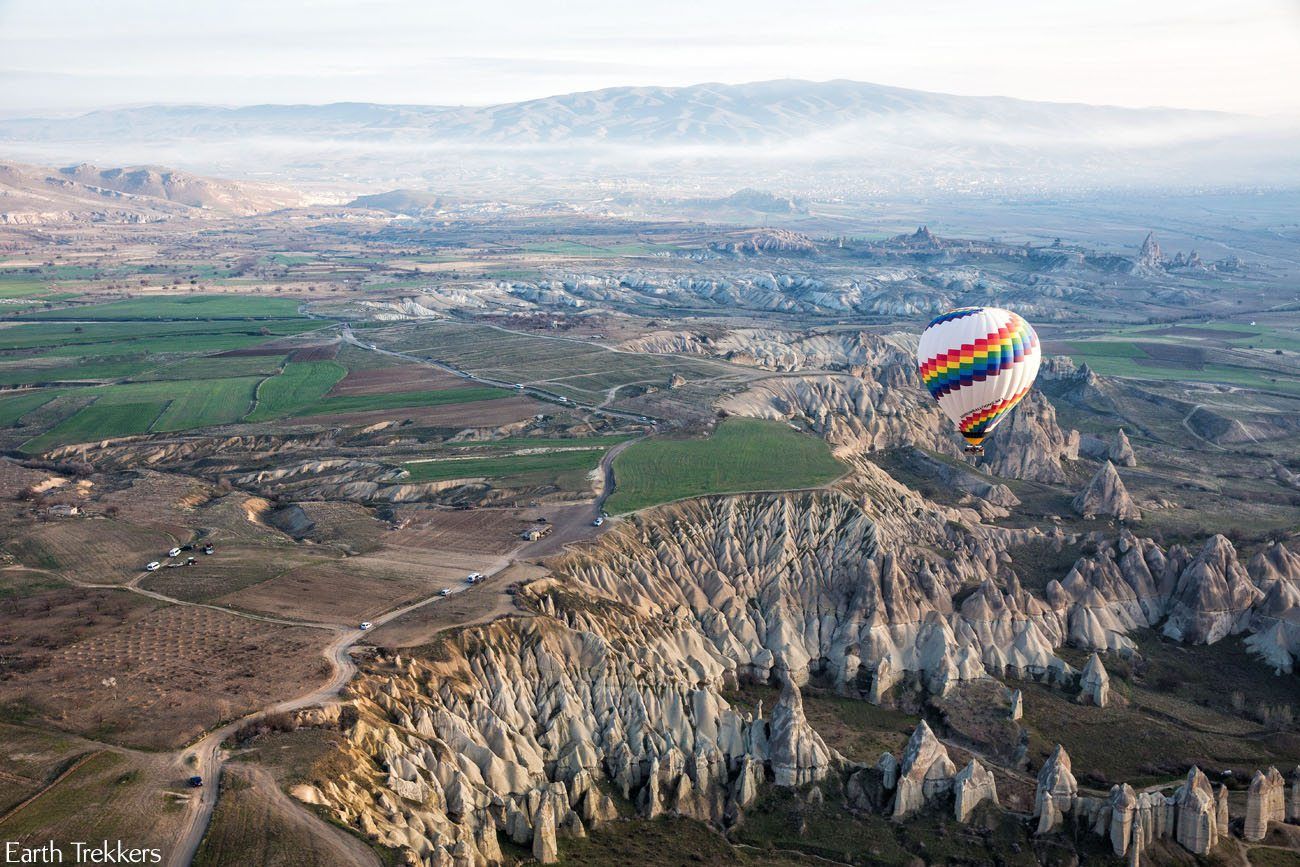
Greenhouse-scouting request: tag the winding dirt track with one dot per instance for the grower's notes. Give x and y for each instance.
(205, 757)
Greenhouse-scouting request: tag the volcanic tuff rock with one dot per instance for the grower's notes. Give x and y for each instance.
(850, 586)
(775, 349)
(1198, 814)
(1150, 256)
(882, 290)
(971, 787)
(796, 752)
(1195, 815)
(925, 774)
(1094, 683)
(620, 672)
(1265, 802)
(770, 241)
(1029, 444)
(1056, 790)
(1293, 799)
(877, 403)
(1131, 583)
(1106, 495)
(1121, 452)
(509, 725)
(991, 499)
(1213, 597)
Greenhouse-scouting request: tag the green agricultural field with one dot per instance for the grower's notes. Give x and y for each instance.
(289, 258)
(219, 401)
(413, 283)
(14, 407)
(140, 407)
(105, 796)
(539, 443)
(117, 338)
(537, 468)
(405, 400)
(208, 367)
(577, 369)
(166, 307)
(99, 421)
(300, 390)
(1130, 360)
(90, 369)
(302, 384)
(1105, 349)
(21, 288)
(741, 455)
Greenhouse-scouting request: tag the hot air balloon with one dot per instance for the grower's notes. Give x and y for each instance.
(978, 362)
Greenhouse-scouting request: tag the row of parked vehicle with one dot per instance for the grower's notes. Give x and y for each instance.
(155, 565)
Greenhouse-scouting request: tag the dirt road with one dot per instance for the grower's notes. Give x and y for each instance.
(575, 523)
(205, 758)
(530, 390)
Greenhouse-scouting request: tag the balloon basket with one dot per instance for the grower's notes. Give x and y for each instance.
(974, 450)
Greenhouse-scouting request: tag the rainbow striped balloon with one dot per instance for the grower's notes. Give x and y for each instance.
(978, 362)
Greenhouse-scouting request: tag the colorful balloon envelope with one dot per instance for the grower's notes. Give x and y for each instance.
(978, 363)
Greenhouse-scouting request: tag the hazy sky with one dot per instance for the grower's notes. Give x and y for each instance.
(59, 55)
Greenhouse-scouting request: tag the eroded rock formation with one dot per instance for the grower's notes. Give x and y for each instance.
(973, 785)
(1121, 452)
(926, 772)
(618, 676)
(1265, 802)
(1030, 444)
(1106, 495)
(1094, 683)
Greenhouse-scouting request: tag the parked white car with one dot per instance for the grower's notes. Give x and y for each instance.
(366, 624)
(174, 552)
(446, 591)
(152, 566)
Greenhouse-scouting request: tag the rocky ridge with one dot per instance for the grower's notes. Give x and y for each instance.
(617, 677)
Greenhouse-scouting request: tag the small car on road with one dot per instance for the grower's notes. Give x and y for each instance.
(366, 624)
(174, 552)
(195, 782)
(152, 566)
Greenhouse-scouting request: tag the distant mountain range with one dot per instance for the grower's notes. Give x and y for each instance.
(137, 194)
(703, 128)
(757, 113)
